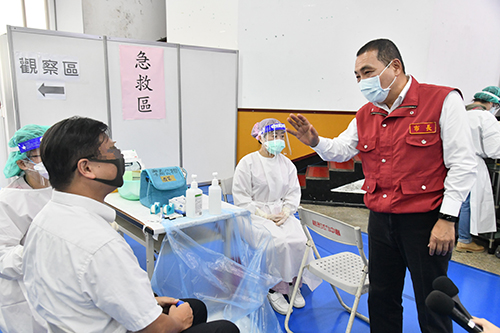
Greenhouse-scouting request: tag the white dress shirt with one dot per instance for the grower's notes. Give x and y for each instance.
(458, 150)
(80, 274)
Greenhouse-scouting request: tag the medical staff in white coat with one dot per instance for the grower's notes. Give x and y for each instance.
(265, 182)
(20, 201)
(477, 214)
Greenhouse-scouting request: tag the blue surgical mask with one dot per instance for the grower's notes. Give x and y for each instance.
(372, 89)
(275, 147)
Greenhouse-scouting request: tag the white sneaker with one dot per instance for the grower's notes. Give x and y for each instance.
(299, 301)
(278, 302)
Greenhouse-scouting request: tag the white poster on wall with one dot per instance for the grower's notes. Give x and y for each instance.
(142, 82)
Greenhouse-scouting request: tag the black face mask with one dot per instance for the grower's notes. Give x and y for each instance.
(120, 167)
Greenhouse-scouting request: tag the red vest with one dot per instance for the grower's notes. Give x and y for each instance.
(402, 153)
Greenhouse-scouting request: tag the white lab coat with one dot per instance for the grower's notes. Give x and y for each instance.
(270, 184)
(18, 207)
(19, 183)
(485, 131)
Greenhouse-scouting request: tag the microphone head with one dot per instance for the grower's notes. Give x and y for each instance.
(440, 303)
(444, 284)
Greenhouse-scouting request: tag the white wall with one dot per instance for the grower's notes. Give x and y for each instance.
(300, 54)
(69, 15)
(210, 23)
(135, 19)
(466, 51)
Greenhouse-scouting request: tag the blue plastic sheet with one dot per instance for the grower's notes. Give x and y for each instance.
(226, 264)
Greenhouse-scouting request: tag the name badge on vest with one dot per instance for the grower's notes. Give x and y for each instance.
(423, 128)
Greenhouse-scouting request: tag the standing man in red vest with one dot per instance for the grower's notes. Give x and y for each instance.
(418, 160)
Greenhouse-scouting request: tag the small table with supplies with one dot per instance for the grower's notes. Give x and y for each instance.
(136, 221)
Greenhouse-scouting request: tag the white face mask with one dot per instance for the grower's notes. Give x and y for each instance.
(372, 89)
(40, 168)
(494, 110)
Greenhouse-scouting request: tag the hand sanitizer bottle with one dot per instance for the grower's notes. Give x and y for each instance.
(193, 199)
(214, 196)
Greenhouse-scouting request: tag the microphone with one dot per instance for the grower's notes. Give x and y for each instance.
(441, 303)
(444, 284)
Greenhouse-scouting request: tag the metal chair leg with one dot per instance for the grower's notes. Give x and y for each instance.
(296, 287)
(356, 302)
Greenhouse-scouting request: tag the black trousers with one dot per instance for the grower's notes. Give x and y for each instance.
(200, 324)
(397, 242)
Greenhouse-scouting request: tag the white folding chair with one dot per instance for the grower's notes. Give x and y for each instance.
(226, 186)
(346, 270)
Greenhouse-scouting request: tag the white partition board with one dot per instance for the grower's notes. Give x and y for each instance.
(4, 76)
(85, 95)
(209, 111)
(199, 130)
(3, 152)
(156, 141)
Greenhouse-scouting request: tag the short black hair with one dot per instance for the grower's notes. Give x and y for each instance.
(68, 141)
(386, 51)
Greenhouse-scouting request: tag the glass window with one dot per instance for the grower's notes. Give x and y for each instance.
(14, 13)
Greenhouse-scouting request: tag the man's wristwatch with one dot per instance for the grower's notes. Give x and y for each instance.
(449, 218)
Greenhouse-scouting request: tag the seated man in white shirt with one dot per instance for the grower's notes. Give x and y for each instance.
(80, 274)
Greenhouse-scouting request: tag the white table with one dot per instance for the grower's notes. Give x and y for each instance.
(136, 221)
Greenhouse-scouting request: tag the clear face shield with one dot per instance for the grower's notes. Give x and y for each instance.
(494, 109)
(36, 172)
(275, 139)
(37, 175)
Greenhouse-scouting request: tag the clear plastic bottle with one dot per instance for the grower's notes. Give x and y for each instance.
(214, 196)
(193, 199)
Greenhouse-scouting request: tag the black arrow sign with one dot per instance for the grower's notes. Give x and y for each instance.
(50, 90)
